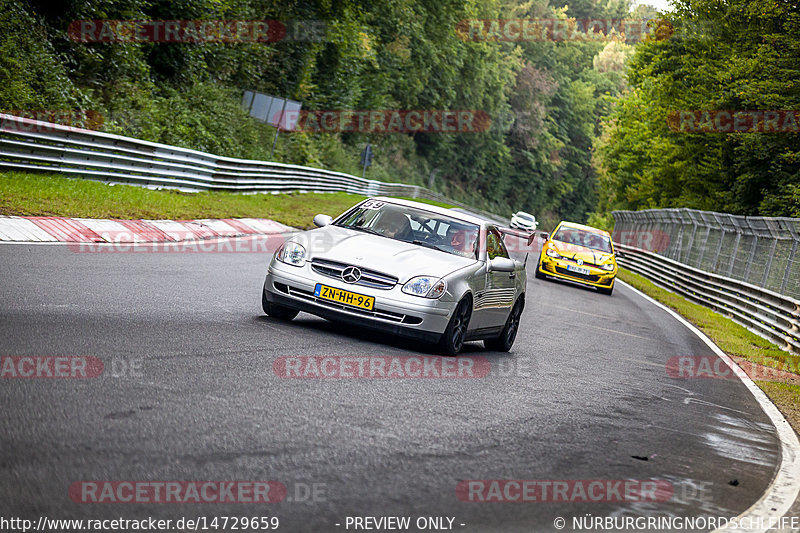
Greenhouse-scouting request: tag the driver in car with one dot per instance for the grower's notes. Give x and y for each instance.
(395, 225)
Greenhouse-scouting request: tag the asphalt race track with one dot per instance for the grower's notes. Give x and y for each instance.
(189, 393)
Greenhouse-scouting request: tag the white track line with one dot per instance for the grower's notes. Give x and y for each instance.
(785, 487)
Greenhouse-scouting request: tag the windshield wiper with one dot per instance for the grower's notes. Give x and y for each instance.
(429, 245)
(365, 230)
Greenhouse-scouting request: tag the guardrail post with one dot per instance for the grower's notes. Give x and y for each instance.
(691, 243)
(769, 262)
(750, 259)
(703, 248)
(719, 248)
(735, 253)
(788, 266)
(676, 252)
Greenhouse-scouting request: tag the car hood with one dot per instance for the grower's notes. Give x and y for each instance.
(587, 255)
(401, 259)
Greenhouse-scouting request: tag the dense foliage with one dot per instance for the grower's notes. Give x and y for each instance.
(732, 55)
(578, 127)
(545, 99)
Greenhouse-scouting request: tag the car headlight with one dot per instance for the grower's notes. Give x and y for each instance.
(551, 252)
(292, 253)
(608, 266)
(425, 287)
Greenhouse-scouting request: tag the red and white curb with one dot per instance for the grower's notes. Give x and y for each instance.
(14, 229)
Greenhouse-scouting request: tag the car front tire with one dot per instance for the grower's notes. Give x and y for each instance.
(505, 341)
(538, 273)
(608, 291)
(276, 311)
(453, 337)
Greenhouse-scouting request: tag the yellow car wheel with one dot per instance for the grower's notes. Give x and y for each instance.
(538, 272)
(603, 290)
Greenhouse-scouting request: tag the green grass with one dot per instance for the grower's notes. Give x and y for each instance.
(426, 201)
(29, 194)
(786, 398)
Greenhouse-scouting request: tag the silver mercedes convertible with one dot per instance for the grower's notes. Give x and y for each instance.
(403, 267)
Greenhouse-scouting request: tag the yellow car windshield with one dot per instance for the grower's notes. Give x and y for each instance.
(584, 238)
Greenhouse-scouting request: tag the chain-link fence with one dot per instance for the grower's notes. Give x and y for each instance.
(762, 251)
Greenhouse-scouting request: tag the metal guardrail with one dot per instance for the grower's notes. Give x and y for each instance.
(763, 251)
(767, 313)
(33, 145)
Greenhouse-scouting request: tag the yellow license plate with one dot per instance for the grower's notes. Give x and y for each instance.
(344, 297)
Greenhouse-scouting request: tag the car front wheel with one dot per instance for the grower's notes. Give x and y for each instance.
(538, 273)
(453, 337)
(505, 341)
(603, 290)
(276, 311)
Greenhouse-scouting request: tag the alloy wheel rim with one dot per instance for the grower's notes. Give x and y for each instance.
(459, 326)
(513, 325)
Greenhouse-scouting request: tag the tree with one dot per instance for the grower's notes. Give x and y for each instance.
(741, 55)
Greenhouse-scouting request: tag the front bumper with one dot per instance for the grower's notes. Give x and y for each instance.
(394, 311)
(517, 224)
(557, 268)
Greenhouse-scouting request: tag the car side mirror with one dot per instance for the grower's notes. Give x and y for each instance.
(322, 220)
(501, 264)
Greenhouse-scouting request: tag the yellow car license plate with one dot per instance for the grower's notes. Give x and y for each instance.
(579, 270)
(344, 297)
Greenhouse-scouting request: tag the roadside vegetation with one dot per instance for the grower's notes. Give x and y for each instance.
(738, 342)
(28, 194)
(786, 397)
(41, 194)
(716, 57)
(579, 126)
(545, 99)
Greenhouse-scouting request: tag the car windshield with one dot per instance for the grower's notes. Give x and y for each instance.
(416, 226)
(587, 239)
(525, 216)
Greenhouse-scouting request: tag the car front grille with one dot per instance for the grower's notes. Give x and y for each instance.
(374, 313)
(369, 278)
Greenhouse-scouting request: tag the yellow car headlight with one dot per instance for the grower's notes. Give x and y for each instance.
(608, 266)
(551, 252)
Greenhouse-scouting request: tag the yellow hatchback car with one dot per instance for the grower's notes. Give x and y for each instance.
(579, 253)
